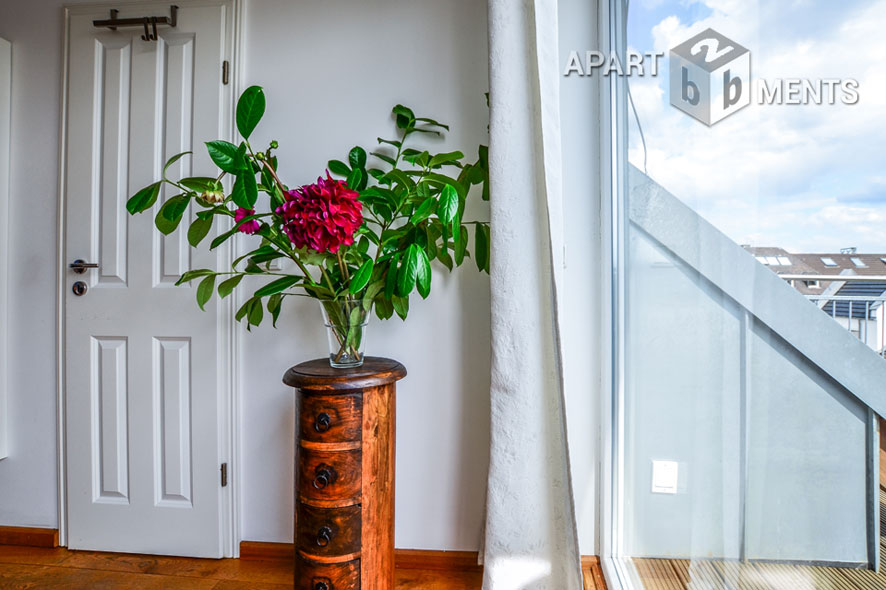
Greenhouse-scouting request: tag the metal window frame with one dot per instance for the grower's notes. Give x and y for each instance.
(613, 150)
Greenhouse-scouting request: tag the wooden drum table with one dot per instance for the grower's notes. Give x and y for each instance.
(344, 482)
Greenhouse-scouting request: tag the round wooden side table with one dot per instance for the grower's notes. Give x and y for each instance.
(344, 482)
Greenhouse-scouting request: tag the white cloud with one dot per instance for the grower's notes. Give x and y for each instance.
(779, 175)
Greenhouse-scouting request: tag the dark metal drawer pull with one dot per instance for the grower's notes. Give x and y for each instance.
(322, 422)
(324, 536)
(322, 586)
(326, 475)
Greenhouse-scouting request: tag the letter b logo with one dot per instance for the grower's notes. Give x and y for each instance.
(710, 77)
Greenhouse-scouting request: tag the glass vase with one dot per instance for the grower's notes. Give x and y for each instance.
(346, 322)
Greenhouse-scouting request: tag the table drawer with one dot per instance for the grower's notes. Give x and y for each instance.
(327, 576)
(328, 532)
(331, 418)
(329, 475)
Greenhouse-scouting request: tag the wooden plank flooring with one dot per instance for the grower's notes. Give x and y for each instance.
(29, 568)
(682, 574)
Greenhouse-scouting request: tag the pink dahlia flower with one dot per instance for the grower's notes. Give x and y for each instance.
(250, 227)
(322, 216)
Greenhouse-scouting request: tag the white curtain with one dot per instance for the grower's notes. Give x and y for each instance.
(530, 540)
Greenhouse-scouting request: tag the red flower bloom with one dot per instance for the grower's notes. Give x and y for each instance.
(250, 227)
(322, 216)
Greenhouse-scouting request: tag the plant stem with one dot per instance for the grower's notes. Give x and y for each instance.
(328, 280)
(274, 174)
(342, 267)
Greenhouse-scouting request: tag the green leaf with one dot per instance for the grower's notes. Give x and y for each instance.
(251, 188)
(391, 277)
(401, 306)
(204, 291)
(432, 122)
(444, 258)
(338, 167)
(392, 142)
(361, 277)
(384, 158)
(447, 158)
(222, 238)
(448, 204)
(423, 211)
(405, 117)
(372, 292)
(408, 272)
(481, 247)
(244, 309)
(275, 304)
(266, 249)
(443, 180)
(461, 245)
(256, 312)
(384, 308)
(170, 214)
(250, 109)
(399, 177)
(200, 184)
(357, 158)
(245, 191)
(354, 179)
(227, 286)
(143, 199)
(194, 274)
(278, 286)
(172, 161)
(423, 274)
(199, 230)
(225, 155)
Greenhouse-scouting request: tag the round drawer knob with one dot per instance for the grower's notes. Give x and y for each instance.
(322, 422)
(322, 586)
(324, 536)
(325, 475)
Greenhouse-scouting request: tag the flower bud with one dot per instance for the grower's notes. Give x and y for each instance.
(274, 144)
(260, 156)
(213, 197)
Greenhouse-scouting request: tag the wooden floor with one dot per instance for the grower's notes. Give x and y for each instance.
(35, 568)
(681, 574)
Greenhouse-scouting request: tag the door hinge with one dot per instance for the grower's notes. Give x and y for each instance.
(224, 474)
(226, 72)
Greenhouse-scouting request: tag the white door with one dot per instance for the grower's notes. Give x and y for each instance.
(144, 401)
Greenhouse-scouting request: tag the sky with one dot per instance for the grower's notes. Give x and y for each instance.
(808, 178)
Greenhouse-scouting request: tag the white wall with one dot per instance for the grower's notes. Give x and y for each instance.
(28, 475)
(332, 70)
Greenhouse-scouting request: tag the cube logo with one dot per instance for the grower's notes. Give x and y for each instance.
(710, 77)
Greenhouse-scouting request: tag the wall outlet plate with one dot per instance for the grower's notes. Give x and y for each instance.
(665, 476)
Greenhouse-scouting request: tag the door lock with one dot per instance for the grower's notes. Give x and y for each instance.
(79, 288)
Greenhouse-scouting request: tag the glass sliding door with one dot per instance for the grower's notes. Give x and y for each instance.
(749, 281)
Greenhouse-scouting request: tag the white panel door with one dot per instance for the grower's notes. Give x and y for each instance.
(143, 396)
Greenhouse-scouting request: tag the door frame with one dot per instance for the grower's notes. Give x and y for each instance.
(228, 348)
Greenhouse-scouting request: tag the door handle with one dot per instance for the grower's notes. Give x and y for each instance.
(80, 266)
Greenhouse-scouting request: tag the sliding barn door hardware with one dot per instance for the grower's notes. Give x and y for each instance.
(148, 22)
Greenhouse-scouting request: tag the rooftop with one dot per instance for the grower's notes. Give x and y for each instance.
(782, 262)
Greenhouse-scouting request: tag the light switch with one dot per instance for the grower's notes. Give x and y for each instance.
(665, 475)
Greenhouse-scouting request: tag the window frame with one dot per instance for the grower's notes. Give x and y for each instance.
(613, 153)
